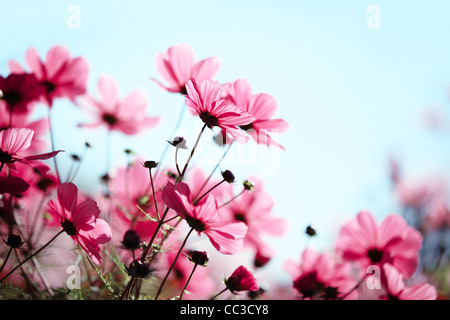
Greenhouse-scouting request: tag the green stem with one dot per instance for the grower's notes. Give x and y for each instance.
(214, 297)
(192, 153)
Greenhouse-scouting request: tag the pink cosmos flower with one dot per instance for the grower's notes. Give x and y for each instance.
(397, 290)
(437, 216)
(13, 143)
(255, 210)
(321, 276)
(80, 220)
(261, 106)
(62, 76)
(203, 217)
(393, 241)
(241, 280)
(205, 102)
(178, 65)
(22, 120)
(127, 115)
(19, 91)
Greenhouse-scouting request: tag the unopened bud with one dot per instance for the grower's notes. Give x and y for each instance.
(228, 176)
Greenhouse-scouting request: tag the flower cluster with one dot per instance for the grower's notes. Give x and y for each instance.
(162, 230)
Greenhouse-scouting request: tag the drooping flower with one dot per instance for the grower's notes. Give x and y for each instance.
(14, 142)
(178, 65)
(321, 276)
(61, 75)
(80, 220)
(241, 280)
(203, 217)
(19, 91)
(261, 106)
(127, 115)
(397, 290)
(393, 241)
(204, 100)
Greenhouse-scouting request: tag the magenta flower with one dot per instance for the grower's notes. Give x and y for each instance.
(204, 101)
(62, 76)
(178, 65)
(14, 142)
(127, 115)
(80, 220)
(396, 289)
(261, 106)
(241, 280)
(225, 236)
(255, 210)
(393, 241)
(321, 276)
(19, 91)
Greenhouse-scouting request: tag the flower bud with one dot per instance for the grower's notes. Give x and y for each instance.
(14, 241)
(199, 257)
(150, 164)
(178, 142)
(131, 240)
(139, 269)
(248, 185)
(310, 231)
(228, 176)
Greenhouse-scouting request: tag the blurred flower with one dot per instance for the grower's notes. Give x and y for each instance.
(177, 66)
(19, 91)
(255, 210)
(241, 280)
(225, 236)
(393, 241)
(126, 115)
(204, 101)
(80, 220)
(396, 289)
(321, 276)
(61, 75)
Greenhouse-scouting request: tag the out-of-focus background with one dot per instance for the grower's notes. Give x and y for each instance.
(358, 82)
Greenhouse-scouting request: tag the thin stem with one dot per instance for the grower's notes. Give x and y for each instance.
(214, 297)
(187, 282)
(211, 189)
(52, 139)
(177, 125)
(29, 257)
(6, 259)
(214, 170)
(355, 287)
(176, 162)
(154, 194)
(232, 199)
(173, 264)
(192, 153)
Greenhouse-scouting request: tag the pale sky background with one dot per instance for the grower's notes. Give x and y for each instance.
(353, 96)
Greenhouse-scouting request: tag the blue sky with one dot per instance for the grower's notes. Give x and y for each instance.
(353, 96)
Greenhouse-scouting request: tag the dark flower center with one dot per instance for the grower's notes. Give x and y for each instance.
(49, 86)
(390, 297)
(109, 119)
(247, 126)
(240, 217)
(131, 240)
(138, 269)
(195, 223)
(375, 255)
(5, 157)
(183, 90)
(69, 228)
(209, 120)
(12, 98)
